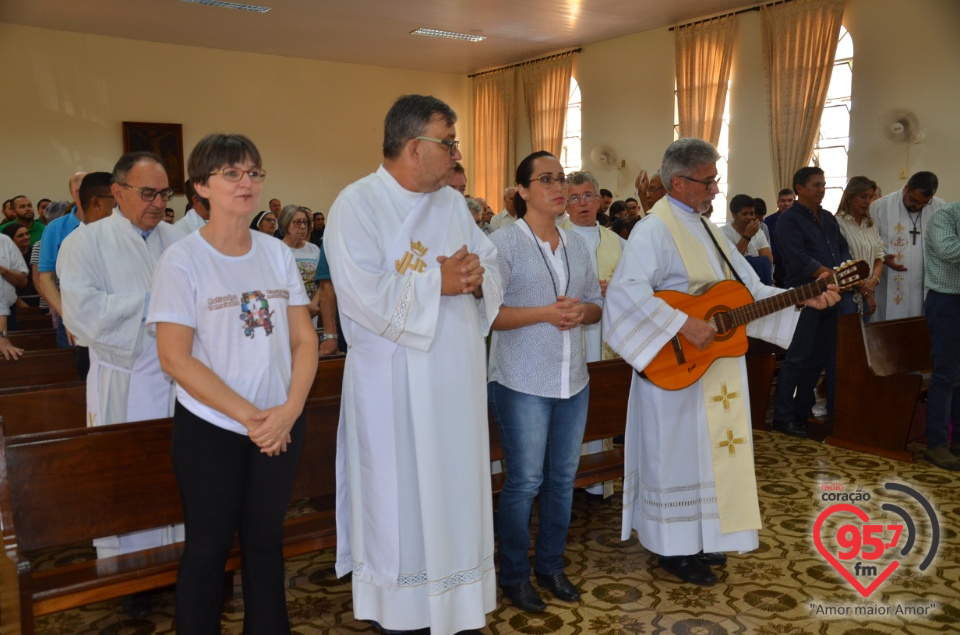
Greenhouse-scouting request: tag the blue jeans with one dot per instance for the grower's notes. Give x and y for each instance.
(943, 398)
(813, 350)
(541, 440)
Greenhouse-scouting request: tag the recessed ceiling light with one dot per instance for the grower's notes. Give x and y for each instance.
(449, 35)
(230, 5)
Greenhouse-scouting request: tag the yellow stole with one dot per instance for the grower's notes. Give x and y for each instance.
(724, 396)
(608, 257)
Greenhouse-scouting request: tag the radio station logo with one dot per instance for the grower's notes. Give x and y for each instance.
(861, 543)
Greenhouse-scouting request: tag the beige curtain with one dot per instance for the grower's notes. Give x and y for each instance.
(494, 135)
(799, 46)
(546, 89)
(703, 53)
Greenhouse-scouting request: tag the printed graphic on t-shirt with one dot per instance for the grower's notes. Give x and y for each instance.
(255, 312)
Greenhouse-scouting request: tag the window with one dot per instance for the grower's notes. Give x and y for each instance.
(833, 140)
(719, 216)
(571, 157)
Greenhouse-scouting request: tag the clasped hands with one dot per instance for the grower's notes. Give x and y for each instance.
(460, 273)
(566, 313)
(270, 429)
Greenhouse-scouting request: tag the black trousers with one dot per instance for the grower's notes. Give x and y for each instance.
(227, 487)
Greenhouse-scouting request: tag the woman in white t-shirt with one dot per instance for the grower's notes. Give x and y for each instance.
(295, 226)
(221, 297)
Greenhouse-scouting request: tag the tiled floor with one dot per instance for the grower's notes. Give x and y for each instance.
(784, 587)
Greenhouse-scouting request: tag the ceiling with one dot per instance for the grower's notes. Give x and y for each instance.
(370, 32)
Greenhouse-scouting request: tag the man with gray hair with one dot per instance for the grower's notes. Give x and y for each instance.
(418, 288)
(689, 487)
(506, 216)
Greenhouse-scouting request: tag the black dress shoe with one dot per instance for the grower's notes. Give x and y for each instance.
(712, 559)
(560, 585)
(524, 597)
(792, 428)
(689, 569)
(138, 605)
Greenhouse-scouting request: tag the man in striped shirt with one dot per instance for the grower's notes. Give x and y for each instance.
(942, 307)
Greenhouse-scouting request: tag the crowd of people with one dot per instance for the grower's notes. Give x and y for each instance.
(449, 309)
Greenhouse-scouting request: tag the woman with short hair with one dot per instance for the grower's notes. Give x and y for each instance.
(233, 331)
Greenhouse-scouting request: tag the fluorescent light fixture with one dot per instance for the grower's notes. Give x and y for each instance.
(449, 35)
(230, 5)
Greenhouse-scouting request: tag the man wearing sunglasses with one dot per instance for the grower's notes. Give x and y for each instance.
(105, 271)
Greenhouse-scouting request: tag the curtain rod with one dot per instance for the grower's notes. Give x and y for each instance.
(726, 15)
(540, 59)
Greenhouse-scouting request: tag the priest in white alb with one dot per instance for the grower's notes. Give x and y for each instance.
(418, 288)
(902, 218)
(689, 487)
(105, 270)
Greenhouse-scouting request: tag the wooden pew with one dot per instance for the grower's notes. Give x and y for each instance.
(39, 368)
(880, 382)
(63, 406)
(69, 486)
(30, 322)
(33, 340)
(43, 408)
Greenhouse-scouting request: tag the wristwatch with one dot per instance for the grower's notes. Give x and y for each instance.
(324, 337)
(745, 237)
(3, 333)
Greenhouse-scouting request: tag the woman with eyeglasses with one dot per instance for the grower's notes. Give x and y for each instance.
(296, 226)
(264, 222)
(539, 379)
(223, 296)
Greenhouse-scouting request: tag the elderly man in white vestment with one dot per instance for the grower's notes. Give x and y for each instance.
(583, 204)
(105, 271)
(902, 218)
(689, 487)
(418, 287)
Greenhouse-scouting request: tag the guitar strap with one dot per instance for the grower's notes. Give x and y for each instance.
(723, 254)
(724, 395)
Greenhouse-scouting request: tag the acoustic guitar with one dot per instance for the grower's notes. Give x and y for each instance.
(729, 306)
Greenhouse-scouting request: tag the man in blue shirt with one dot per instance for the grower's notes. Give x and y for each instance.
(809, 242)
(45, 278)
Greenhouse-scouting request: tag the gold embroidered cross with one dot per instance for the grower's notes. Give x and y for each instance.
(725, 396)
(730, 442)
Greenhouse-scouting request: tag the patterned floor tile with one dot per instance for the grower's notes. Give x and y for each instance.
(774, 590)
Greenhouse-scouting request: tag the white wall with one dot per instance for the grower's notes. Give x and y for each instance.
(318, 125)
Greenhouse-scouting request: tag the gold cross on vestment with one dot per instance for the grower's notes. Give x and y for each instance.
(730, 442)
(725, 396)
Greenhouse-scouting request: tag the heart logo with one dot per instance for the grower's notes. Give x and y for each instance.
(863, 516)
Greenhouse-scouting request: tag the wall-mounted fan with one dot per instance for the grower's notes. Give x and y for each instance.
(605, 158)
(901, 126)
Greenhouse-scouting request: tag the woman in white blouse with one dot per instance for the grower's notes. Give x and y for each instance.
(862, 236)
(540, 388)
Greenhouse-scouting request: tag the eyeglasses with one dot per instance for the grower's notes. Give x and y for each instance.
(586, 198)
(548, 180)
(268, 220)
(148, 194)
(298, 223)
(235, 174)
(707, 183)
(451, 145)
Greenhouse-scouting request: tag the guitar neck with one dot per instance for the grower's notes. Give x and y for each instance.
(790, 297)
